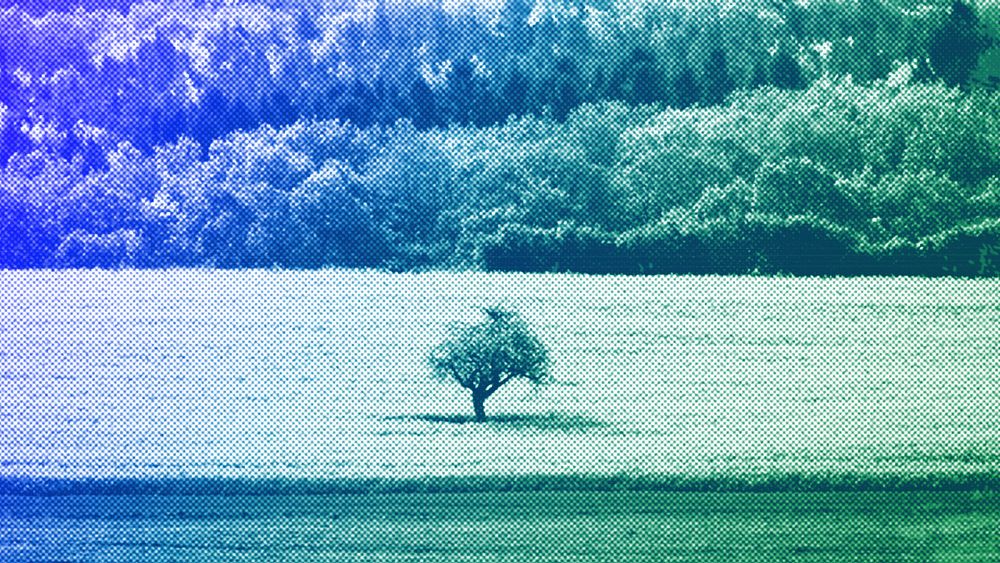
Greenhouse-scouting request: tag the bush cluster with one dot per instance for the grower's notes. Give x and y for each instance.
(838, 178)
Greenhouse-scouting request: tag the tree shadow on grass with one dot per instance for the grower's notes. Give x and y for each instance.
(547, 421)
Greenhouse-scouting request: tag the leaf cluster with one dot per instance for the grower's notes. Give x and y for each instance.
(485, 356)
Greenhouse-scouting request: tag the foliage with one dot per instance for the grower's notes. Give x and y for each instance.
(972, 250)
(566, 247)
(81, 249)
(23, 237)
(956, 46)
(802, 245)
(484, 357)
(861, 176)
(337, 224)
(798, 186)
(153, 72)
(919, 204)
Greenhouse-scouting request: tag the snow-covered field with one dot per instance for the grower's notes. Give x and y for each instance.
(321, 374)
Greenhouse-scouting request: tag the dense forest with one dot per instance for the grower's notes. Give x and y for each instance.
(823, 137)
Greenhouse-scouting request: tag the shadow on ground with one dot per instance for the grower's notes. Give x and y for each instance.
(547, 421)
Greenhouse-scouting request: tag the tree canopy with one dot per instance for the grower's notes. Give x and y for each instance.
(484, 357)
(613, 137)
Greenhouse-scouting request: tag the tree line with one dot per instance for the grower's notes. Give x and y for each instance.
(890, 177)
(628, 138)
(77, 82)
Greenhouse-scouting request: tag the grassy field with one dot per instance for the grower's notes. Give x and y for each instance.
(321, 375)
(198, 415)
(539, 526)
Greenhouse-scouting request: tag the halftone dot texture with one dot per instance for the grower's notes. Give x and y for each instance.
(285, 207)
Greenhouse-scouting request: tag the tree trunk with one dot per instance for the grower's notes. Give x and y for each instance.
(478, 405)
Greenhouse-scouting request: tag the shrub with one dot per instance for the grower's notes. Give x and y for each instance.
(80, 249)
(801, 187)
(669, 161)
(565, 248)
(661, 248)
(971, 250)
(894, 257)
(802, 245)
(919, 204)
(24, 242)
(517, 248)
(338, 225)
(586, 250)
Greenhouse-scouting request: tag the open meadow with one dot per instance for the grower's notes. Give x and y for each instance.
(274, 374)
(305, 388)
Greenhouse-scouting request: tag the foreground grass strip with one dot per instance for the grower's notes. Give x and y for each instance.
(521, 526)
(772, 482)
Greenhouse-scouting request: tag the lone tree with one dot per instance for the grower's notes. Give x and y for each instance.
(483, 357)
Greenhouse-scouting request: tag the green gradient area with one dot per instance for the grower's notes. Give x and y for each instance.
(320, 376)
(630, 527)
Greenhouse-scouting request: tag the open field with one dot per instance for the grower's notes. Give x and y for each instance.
(271, 374)
(321, 375)
(239, 416)
(539, 526)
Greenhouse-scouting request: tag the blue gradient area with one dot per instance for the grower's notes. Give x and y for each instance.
(511, 135)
